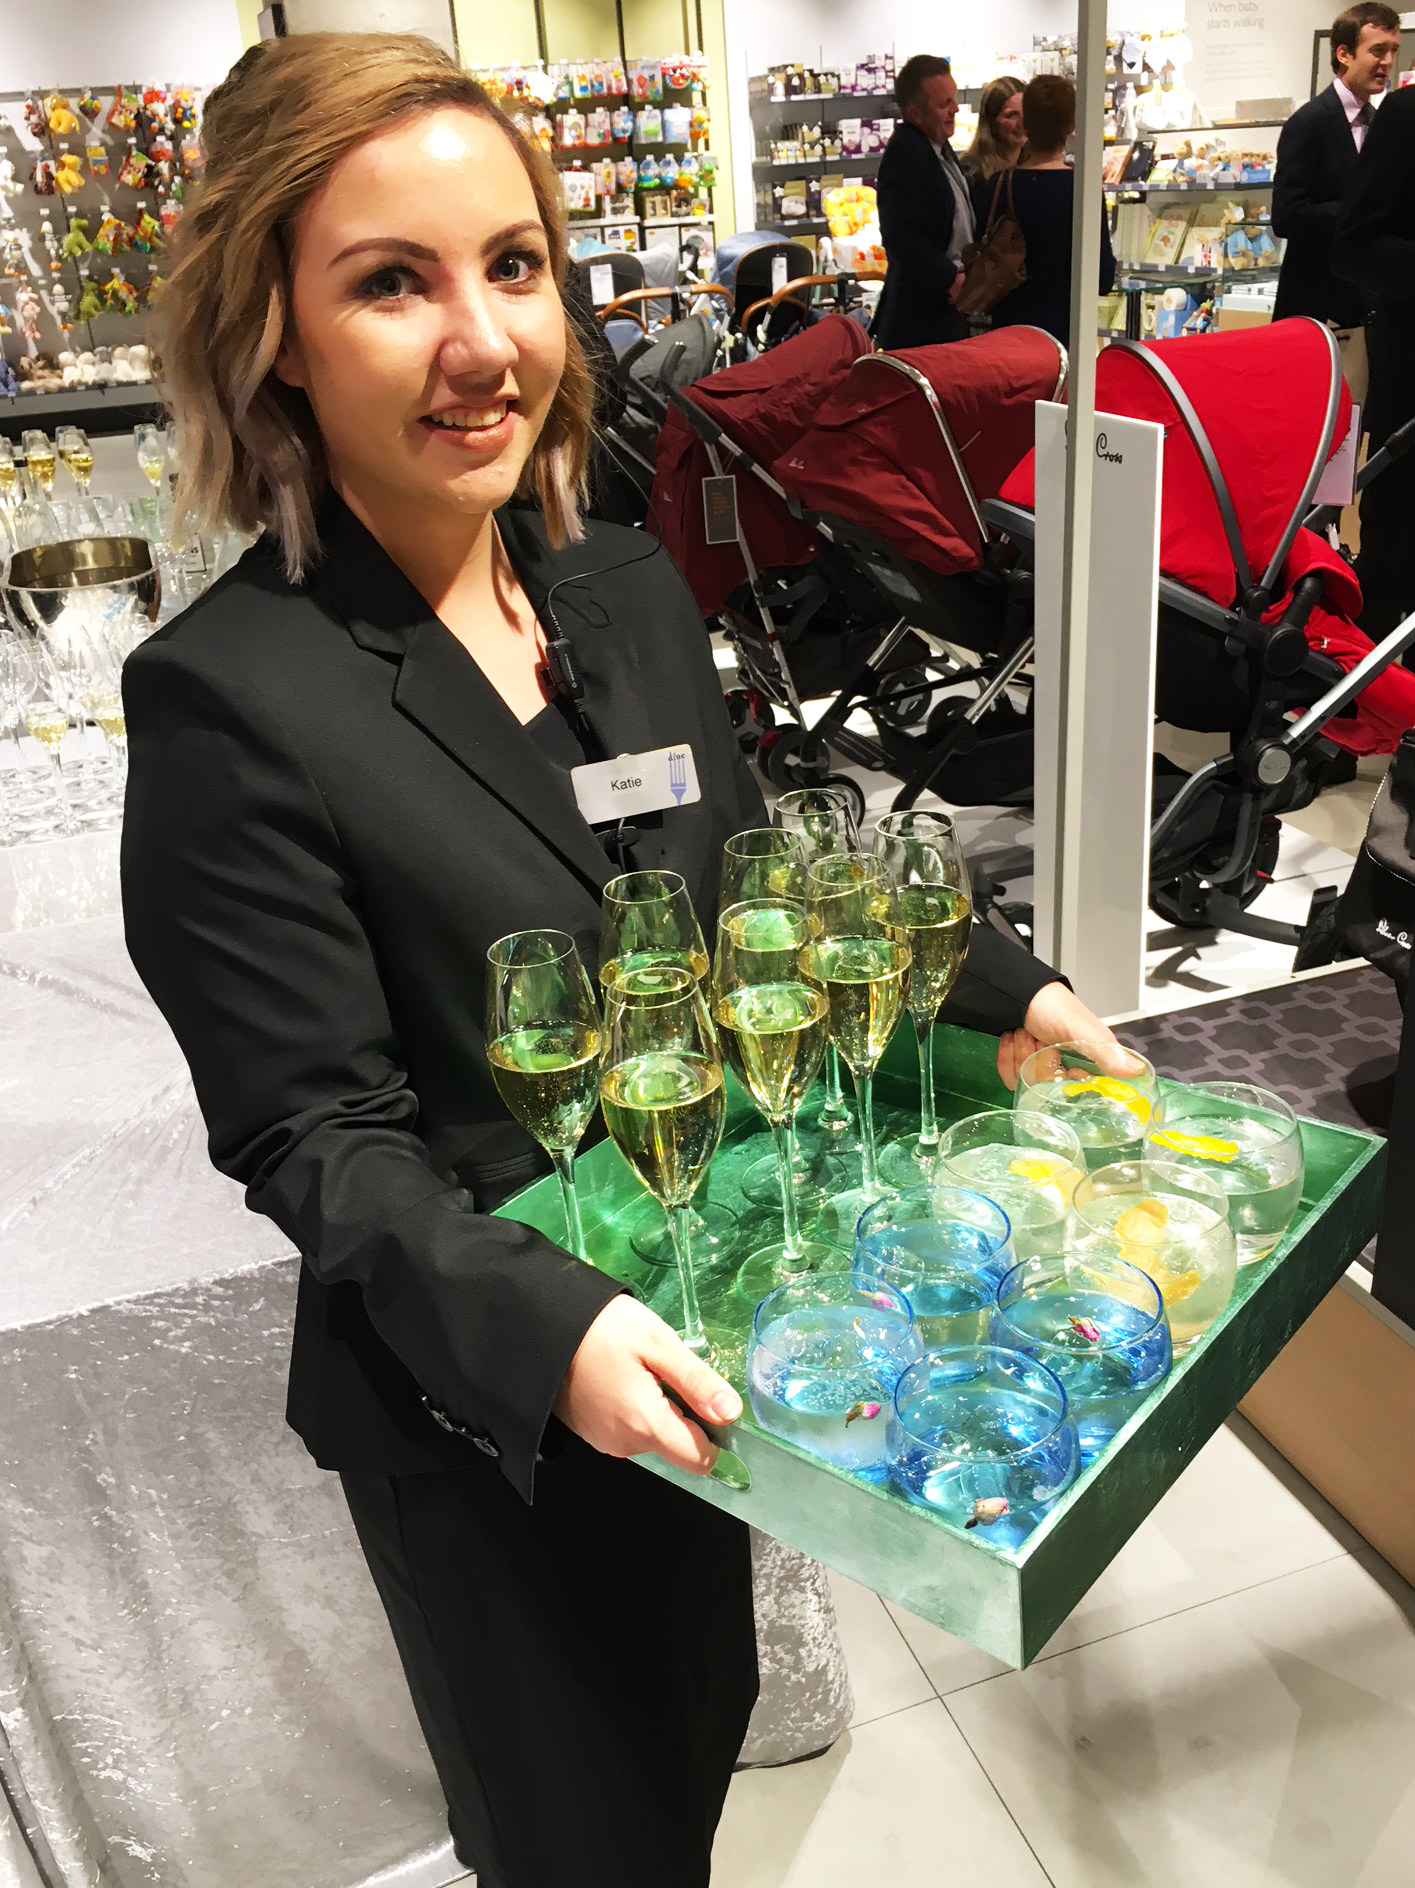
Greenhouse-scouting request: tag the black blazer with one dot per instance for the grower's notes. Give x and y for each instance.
(916, 215)
(1316, 159)
(331, 815)
(1374, 242)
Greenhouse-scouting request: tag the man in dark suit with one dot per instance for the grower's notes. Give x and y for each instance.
(1316, 158)
(1374, 247)
(925, 212)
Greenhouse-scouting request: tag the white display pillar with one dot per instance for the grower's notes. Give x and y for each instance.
(431, 18)
(1095, 693)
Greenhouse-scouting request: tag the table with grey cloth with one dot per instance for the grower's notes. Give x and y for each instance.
(197, 1684)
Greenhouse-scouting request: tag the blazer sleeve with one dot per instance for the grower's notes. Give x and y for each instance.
(243, 922)
(1300, 209)
(1365, 249)
(997, 983)
(916, 222)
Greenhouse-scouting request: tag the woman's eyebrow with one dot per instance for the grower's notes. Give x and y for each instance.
(385, 244)
(530, 225)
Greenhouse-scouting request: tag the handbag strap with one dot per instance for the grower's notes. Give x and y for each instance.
(1004, 177)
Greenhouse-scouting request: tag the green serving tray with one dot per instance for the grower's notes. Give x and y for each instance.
(1007, 1603)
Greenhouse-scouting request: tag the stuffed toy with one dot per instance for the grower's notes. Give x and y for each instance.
(90, 301)
(68, 173)
(61, 117)
(96, 151)
(10, 185)
(76, 243)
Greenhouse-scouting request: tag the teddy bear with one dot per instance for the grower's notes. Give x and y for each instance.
(140, 360)
(84, 366)
(103, 366)
(69, 367)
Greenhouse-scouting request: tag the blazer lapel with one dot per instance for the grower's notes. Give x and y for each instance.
(441, 688)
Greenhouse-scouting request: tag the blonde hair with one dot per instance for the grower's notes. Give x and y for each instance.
(985, 155)
(250, 451)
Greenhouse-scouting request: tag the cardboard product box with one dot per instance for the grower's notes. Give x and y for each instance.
(1167, 236)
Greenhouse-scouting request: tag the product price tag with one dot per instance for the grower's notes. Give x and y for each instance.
(720, 509)
(780, 274)
(601, 283)
(1337, 485)
(636, 783)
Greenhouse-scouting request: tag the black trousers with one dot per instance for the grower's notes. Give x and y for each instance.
(583, 1669)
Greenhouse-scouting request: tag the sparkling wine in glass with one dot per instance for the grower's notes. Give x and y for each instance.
(925, 863)
(763, 862)
(72, 444)
(39, 454)
(772, 1019)
(48, 723)
(150, 443)
(861, 955)
(665, 1102)
(823, 822)
(9, 473)
(544, 1038)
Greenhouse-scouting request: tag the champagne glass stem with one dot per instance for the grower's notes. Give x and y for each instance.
(865, 1099)
(784, 1136)
(564, 1159)
(928, 1120)
(679, 1230)
(836, 1113)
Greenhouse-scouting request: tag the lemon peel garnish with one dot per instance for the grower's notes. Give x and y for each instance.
(1114, 1090)
(1143, 1224)
(1204, 1146)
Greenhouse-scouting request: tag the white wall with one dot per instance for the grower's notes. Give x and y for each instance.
(75, 43)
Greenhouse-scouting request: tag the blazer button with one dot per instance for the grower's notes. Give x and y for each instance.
(486, 1445)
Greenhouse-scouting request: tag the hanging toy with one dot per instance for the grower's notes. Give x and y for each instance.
(120, 294)
(76, 243)
(113, 236)
(96, 151)
(34, 116)
(91, 105)
(62, 307)
(170, 213)
(60, 114)
(155, 286)
(51, 243)
(12, 251)
(123, 112)
(147, 232)
(184, 109)
(42, 176)
(90, 301)
(27, 307)
(133, 171)
(10, 185)
(159, 148)
(68, 174)
(193, 162)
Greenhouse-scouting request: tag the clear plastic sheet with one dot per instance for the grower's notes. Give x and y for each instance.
(197, 1685)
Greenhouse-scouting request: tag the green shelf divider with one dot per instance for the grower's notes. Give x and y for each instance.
(1006, 1603)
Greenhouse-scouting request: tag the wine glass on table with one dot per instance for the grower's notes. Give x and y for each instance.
(771, 1013)
(150, 444)
(763, 862)
(543, 1039)
(72, 444)
(924, 861)
(823, 822)
(39, 455)
(860, 954)
(9, 474)
(648, 918)
(664, 1099)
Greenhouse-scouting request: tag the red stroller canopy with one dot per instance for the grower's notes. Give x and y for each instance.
(1273, 406)
(761, 405)
(910, 454)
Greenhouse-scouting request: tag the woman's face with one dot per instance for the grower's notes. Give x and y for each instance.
(426, 328)
(1010, 134)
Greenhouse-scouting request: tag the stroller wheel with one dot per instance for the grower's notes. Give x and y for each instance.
(793, 757)
(749, 715)
(904, 711)
(847, 785)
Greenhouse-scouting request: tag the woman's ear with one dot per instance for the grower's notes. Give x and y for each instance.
(289, 363)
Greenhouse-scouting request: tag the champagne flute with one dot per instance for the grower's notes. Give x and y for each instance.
(764, 862)
(924, 861)
(9, 473)
(73, 447)
(664, 1099)
(772, 1016)
(543, 1039)
(151, 445)
(49, 723)
(40, 456)
(862, 958)
(824, 822)
(647, 918)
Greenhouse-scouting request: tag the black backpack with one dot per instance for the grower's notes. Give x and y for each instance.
(1376, 914)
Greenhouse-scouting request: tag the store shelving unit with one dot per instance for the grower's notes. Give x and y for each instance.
(567, 157)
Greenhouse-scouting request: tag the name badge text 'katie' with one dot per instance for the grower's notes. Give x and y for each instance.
(636, 783)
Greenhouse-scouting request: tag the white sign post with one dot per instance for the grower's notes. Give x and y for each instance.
(1095, 712)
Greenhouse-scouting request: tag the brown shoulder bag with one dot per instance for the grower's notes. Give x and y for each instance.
(996, 263)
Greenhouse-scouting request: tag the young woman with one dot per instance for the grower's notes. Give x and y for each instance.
(1042, 192)
(350, 773)
(999, 139)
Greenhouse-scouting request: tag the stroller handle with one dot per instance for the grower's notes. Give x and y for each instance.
(1341, 694)
(620, 310)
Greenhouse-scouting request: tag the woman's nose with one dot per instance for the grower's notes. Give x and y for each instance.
(475, 340)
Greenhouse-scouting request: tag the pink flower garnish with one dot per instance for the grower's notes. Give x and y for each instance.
(868, 1410)
(1087, 1328)
(987, 1510)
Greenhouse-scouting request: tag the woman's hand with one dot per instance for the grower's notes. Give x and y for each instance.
(1057, 1014)
(611, 1394)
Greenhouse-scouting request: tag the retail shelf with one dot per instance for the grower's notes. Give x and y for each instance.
(1141, 277)
(969, 92)
(1185, 190)
(672, 222)
(807, 163)
(98, 410)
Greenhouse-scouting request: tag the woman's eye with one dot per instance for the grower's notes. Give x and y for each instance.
(386, 285)
(518, 265)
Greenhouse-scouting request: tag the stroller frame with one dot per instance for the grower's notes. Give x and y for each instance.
(799, 754)
(1275, 766)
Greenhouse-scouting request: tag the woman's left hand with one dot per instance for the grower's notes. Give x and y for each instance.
(1057, 1014)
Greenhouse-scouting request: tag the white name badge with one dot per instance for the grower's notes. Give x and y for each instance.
(636, 783)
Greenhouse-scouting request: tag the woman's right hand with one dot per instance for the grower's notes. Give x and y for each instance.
(612, 1395)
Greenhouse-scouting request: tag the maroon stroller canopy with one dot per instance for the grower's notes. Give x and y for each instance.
(911, 443)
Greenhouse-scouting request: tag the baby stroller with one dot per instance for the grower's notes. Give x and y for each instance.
(869, 573)
(1256, 633)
